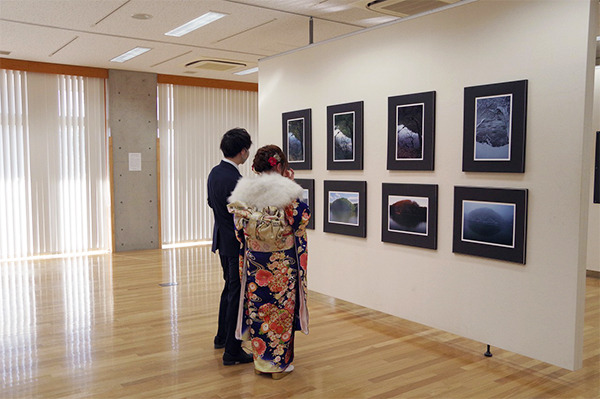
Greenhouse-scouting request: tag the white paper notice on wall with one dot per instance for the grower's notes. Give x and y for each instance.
(135, 161)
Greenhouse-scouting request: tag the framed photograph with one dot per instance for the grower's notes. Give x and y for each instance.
(345, 136)
(308, 196)
(411, 132)
(495, 119)
(345, 208)
(297, 138)
(597, 171)
(409, 214)
(490, 222)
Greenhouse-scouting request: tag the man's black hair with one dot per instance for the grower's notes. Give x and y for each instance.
(234, 141)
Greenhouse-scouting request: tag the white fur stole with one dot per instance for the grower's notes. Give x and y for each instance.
(268, 189)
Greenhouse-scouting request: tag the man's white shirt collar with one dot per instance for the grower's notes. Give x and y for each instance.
(231, 162)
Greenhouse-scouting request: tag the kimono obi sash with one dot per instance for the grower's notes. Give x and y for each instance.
(266, 230)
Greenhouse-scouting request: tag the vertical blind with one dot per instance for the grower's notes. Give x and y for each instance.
(54, 187)
(191, 122)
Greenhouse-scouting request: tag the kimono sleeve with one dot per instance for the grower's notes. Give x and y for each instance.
(238, 222)
(301, 216)
(240, 216)
(298, 216)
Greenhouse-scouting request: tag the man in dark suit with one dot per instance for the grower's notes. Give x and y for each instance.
(222, 179)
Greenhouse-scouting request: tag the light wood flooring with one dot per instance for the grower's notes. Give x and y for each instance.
(102, 327)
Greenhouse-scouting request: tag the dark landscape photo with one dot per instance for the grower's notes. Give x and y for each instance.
(296, 140)
(492, 128)
(408, 214)
(343, 137)
(409, 131)
(343, 207)
(489, 223)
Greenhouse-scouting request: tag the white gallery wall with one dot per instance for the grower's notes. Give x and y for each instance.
(534, 309)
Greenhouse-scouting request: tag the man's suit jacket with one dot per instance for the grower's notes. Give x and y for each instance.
(221, 182)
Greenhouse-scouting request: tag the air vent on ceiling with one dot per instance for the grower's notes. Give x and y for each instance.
(406, 8)
(215, 65)
(2, 52)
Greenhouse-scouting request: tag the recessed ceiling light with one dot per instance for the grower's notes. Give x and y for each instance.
(141, 16)
(247, 71)
(130, 54)
(195, 24)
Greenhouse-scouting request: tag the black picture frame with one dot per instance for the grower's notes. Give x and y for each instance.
(409, 214)
(411, 131)
(597, 171)
(345, 125)
(297, 126)
(349, 216)
(490, 222)
(309, 197)
(495, 119)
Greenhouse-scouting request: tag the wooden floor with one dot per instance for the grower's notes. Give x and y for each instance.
(102, 327)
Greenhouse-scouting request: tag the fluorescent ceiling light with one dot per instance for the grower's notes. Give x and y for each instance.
(247, 71)
(130, 54)
(598, 38)
(195, 24)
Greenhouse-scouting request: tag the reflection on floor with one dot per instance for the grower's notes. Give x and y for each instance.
(141, 324)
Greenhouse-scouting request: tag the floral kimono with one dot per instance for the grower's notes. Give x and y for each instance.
(270, 224)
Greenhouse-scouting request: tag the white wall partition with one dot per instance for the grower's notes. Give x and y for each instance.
(54, 187)
(191, 122)
(534, 309)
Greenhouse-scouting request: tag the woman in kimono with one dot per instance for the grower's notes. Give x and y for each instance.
(270, 222)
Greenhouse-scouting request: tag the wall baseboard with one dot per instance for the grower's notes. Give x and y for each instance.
(592, 273)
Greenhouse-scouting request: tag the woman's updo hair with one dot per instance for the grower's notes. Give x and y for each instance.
(267, 158)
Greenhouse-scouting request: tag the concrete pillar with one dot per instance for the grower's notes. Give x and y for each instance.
(133, 126)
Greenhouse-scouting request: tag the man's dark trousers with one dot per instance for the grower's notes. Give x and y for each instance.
(228, 309)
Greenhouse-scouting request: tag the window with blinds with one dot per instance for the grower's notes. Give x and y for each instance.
(54, 185)
(191, 122)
